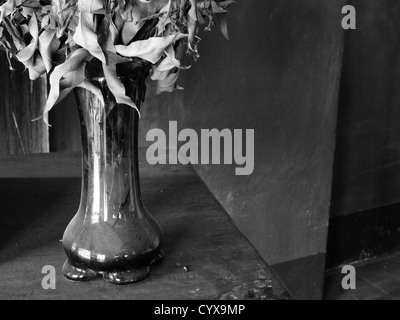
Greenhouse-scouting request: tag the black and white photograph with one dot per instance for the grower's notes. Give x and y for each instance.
(199, 158)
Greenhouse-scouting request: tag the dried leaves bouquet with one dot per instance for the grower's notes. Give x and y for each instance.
(63, 37)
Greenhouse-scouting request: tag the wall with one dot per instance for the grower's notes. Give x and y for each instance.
(368, 141)
(279, 74)
(368, 144)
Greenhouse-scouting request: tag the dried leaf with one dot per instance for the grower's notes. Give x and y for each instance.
(91, 6)
(86, 36)
(27, 53)
(72, 64)
(114, 83)
(48, 45)
(169, 83)
(151, 49)
(60, 36)
(7, 8)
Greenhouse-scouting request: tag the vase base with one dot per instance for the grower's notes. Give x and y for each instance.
(158, 259)
(127, 277)
(80, 274)
(74, 273)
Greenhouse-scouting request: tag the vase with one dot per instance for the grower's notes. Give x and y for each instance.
(112, 234)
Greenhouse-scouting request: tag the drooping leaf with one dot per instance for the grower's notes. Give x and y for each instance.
(129, 31)
(162, 70)
(114, 82)
(192, 23)
(151, 49)
(169, 83)
(86, 84)
(71, 80)
(72, 64)
(91, 6)
(223, 24)
(86, 36)
(48, 45)
(35, 66)
(7, 8)
(28, 55)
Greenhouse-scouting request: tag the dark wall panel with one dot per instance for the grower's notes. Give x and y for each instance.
(279, 74)
(367, 161)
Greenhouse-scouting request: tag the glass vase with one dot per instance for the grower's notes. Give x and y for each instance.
(112, 234)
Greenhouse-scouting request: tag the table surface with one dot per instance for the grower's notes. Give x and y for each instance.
(206, 257)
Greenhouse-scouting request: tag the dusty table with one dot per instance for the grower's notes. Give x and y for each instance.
(206, 257)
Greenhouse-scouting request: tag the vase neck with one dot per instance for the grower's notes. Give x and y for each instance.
(111, 188)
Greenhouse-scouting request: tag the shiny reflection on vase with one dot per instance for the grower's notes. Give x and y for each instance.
(112, 234)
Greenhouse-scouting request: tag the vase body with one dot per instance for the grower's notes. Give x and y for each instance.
(112, 233)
